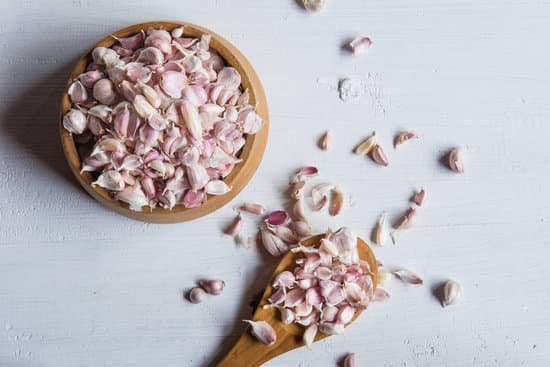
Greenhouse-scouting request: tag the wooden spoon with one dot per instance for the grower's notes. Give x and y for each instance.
(248, 351)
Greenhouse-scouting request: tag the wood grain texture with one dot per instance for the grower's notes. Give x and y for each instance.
(84, 286)
(251, 153)
(247, 351)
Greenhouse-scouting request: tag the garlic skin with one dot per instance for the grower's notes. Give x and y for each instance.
(313, 5)
(75, 121)
(452, 293)
(212, 286)
(263, 332)
(197, 295)
(360, 45)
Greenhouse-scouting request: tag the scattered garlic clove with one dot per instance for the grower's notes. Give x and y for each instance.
(380, 295)
(77, 92)
(408, 276)
(456, 163)
(263, 332)
(320, 205)
(336, 202)
(253, 208)
(296, 189)
(406, 219)
(419, 197)
(309, 335)
(307, 172)
(381, 230)
(324, 141)
(379, 156)
(287, 316)
(452, 293)
(360, 45)
(197, 295)
(212, 286)
(277, 218)
(313, 5)
(367, 145)
(235, 226)
(349, 361)
(403, 137)
(110, 180)
(75, 121)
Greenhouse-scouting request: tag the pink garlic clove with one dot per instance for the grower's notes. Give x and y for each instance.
(136, 72)
(121, 121)
(77, 92)
(212, 286)
(284, 279)
(75, 121)
(132, 42)
(403, 137)
(102, 112)
(294, 297)
(148, 187)
(360, 45)
(287, 316)
(277, 218)
(197, 295)
(150, 94)
(406, 219)
(284, 233)
(172, 83)
(408, 276)
(349, 361)
(309, 335)
(313, 5)
(253, 208)
(303, 310)
(379, 156)
(252, 122)
(235, 226)
(273, 244)
(324, 141)
(329, 314)
(278, 297)
(419, 197)
(456, 163)
(151, 55)
(313, 296)
(380, 295)
(193, 199)
(160, 39)
(229, 77)
(263, 332)
(330, 328)
(320, 205)
(323, 273)
(345, 314)
(104, 91)
(128, 90)
(307, 172)
(89, 78)
(197, 176)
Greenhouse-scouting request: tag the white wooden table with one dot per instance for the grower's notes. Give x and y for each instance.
(82, 286)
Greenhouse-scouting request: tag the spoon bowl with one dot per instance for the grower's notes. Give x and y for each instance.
(248, 351)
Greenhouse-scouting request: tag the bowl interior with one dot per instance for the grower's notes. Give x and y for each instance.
(251, 152)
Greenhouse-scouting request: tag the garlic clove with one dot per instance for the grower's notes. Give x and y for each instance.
(294, 297)
(320, 205)
(313, 296)
(336, 202)
(136, 72)
(104, 91)
(197, 176)
(296, 189)
(331, 328)
(89, 78)
(217, 187)
(235, 226)
(75, 121)
(77, 92)
(307, 172)
(151, 55)
(349, 361)
(302, 229)
(324, 141)
(177, 32)
(110, 180)
(408, 276)
(253, 208)
(273, 244)
(313, 5)
(277, 218)
(287, 316)
(360, 45)
(193, 199)
(212, 286)
(456, 163)
(192, 119)
(403, 137)
(229, 77)
(263, 332)
(102, 112)
(452, 293)
(419, 197)
(173, 82)
(380, 295)
(298, 211)
(284, 279)
(143, 107)
(366, 146)
(150, 94)
(381, 230)
(132, 42)
(309, 335)
(197, 295)
(379, 156)
(134, 197)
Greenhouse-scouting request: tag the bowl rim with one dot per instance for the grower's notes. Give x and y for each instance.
(251, 152)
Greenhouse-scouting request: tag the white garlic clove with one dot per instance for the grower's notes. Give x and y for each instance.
(177, 32)
(313, 5)
(366, 145)
(104, 91)
(134, 197)
(197, 295)
(273, 244)
(381, 230)
(77, 92)
(309, 335)
(263, 332)
(331, 328)
(143, 107)
(217, 187)
(452, 293)
(75, 121)
(456, 163)
(110, 180)
(408, 276)
(151, 55)
(192, 119)
(89, 78)
(229, 77)
(360, 45)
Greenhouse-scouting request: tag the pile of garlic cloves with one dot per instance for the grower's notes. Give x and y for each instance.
(326, 287)
(161, 119)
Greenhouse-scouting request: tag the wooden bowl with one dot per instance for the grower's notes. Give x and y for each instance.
(251, 153)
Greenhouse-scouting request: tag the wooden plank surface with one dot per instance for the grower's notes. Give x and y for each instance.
(82, 286)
